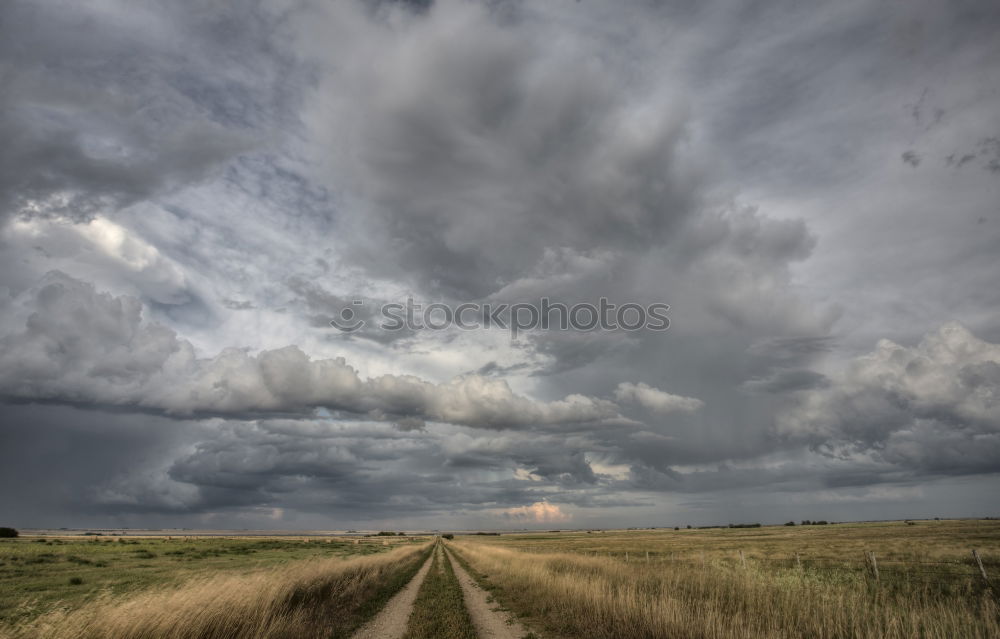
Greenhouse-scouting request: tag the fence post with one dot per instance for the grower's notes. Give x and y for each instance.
(798, 562)
(647, 556)
(979, 563)
(872, 565)
(743, 560)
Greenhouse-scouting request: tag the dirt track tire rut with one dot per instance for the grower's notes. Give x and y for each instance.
(489, 620)
(391, 621)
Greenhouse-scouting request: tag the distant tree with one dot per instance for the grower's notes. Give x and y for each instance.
(677, 527)
(384, 533)
(689, 526)
(790, 523)
(806, 522)
(448, 536)
(8, 532)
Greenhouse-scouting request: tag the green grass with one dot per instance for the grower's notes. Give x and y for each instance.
(439, 611)
(37, 575)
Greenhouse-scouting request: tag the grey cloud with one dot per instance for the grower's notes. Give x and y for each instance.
(324, 307)
(81, 346)
(73, 467)
(986, 151)
(784, 381)
(930, 406)
(356, 469)
(83, 133)
(465, 126)
(238, 305)
(791, 350)
(911, 158)
(656, 400)
(496, 151)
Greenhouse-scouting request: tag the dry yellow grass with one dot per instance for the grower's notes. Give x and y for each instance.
(301, 600)
(947, 540)
(578, 594)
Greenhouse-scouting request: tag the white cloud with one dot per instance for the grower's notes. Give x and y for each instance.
(656, 400)
(935, 405)
(538, 512)
(79, 345)
(100, 249)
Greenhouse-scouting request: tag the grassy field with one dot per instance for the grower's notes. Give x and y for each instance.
(920, 540)
(695, 583)
(37, 575)
(722, 583)
(439, 611)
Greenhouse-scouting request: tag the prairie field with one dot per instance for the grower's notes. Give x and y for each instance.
(891, 579)
(49, 586)
(748, 582)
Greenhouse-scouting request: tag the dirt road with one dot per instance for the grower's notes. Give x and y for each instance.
(390, 622)
(489, 620)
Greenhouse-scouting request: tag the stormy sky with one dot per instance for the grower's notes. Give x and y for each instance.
(191, 191)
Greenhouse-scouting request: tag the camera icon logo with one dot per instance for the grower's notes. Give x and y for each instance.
(348, 322)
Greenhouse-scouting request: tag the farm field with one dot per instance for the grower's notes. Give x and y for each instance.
(776, 581)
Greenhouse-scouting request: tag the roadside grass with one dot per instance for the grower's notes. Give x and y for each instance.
(385, 590)
(587, 594)
(308, 599)
(439, 611)
(37, 575)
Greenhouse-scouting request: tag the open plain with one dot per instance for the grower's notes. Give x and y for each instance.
(885, 579)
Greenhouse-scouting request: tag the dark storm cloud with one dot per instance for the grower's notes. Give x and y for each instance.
(65, 466)
(354, 470)
(98, 110)
(235, 177)
(478, 147)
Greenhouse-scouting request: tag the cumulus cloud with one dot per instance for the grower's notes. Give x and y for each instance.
(539, 512)
(97, 249)
(656, 400)
(82, 346)
(934, 406)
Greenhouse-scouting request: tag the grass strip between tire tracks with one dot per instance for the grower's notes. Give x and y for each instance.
(439, 611)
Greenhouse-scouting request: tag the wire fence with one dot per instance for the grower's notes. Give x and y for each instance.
(940, 572)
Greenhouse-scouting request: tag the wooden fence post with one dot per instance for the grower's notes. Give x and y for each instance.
(872, 565)
(743, 560)
(647, 556)
(979, 563)
(798, 562)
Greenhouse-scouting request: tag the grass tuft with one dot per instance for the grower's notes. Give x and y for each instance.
(439, 611)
